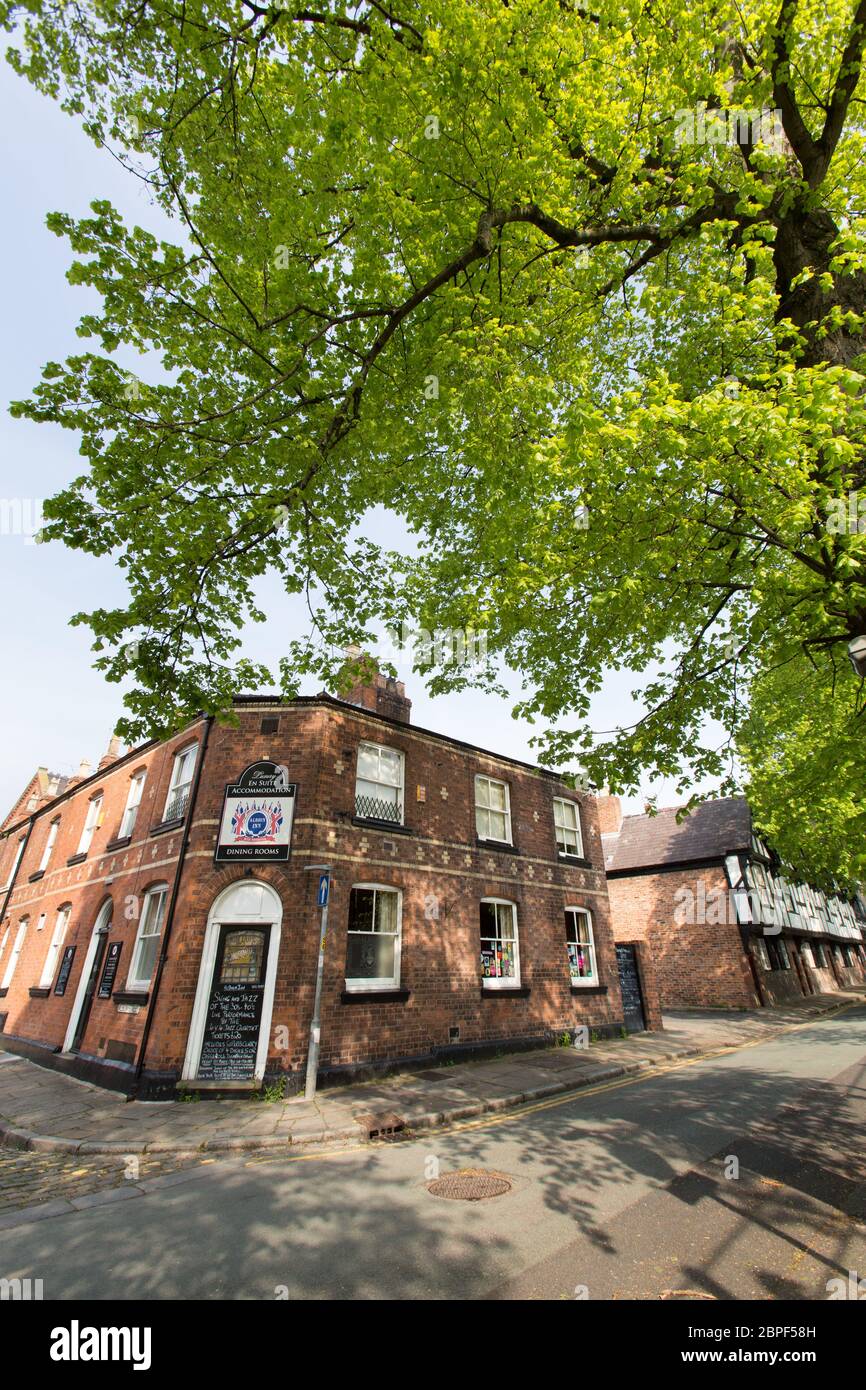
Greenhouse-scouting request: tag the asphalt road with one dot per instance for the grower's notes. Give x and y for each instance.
(735, 1177)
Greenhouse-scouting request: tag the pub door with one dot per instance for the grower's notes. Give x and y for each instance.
(234, 1012)
(89, 991)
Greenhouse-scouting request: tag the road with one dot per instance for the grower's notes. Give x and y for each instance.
(734, 1177)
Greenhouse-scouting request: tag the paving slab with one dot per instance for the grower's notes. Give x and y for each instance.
(41, 1109)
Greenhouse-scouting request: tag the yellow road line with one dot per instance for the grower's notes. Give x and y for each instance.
(489, 1121)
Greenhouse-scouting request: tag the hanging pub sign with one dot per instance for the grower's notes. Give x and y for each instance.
(257, 815)
(112, 960)
(63, 972)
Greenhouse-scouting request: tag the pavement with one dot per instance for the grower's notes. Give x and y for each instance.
(44, 1111)
(739, 1174)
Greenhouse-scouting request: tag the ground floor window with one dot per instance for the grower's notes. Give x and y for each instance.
(779, 958)
(373, 938)
(820, 955)
(580, 946)
(17, 948)
(57, 938)
(147, 941)
(500, 958)
(761, 952)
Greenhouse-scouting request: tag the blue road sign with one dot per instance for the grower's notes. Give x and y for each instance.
(323, 890)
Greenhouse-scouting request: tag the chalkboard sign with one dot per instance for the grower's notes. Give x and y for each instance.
(231, 1038)
(112, 960)
(63, 972)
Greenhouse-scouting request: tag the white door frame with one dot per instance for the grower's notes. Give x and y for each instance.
(223, 914)
(103, 919)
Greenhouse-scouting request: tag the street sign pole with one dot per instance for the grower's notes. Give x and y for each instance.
(324, 871)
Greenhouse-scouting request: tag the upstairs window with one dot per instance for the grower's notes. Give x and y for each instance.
(177, 801)
(492, 810)
(49, 844)
(54, 947)
(17, 947)
(91, 821)
(580, 947)
(16, 861)
(147, 941)
(373, 938)
(566, 818)
(500, 957)
(379, 784)
(133, 801)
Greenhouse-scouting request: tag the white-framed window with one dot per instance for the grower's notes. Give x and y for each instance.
(17, 948)
(133, 801)
(580, 947)
(500, 951)
(761, 952)
(49, 844)
(806, 953)
(492, 809)
(16, 861)
(820, 955)
(91, 821)
(566, 818)
(146, 946)
(379, 783)
(55, 946)
(373, 937)
(181, 782)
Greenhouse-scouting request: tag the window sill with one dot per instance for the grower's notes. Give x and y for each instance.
(374, 996)
(167, 825)
(391, 826)
(589, 989)
(34, 878)
(133, 994)
(120, 843)
(40, 991)
(497, 844)
(511, 991)
(76, 858)
(575, 859)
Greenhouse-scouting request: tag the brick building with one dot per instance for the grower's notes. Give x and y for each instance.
(158, 930)
(722, 921)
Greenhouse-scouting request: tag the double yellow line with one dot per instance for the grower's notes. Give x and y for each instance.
(489, 1121)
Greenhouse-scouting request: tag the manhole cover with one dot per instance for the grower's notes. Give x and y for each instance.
(470, 1185)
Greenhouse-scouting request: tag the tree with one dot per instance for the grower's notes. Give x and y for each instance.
(575, 289)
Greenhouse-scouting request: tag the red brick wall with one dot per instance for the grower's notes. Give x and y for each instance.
(440, 959)
(123, 875)
(700, 965)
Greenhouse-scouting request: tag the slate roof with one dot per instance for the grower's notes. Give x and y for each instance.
(712, 830)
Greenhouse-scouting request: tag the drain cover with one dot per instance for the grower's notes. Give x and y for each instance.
(470, 1185)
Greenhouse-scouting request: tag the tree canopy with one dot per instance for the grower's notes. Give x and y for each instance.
(576, 289)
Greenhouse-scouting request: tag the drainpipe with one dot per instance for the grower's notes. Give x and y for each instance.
(169, 921)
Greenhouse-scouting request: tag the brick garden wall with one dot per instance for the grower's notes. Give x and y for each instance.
(700, 965)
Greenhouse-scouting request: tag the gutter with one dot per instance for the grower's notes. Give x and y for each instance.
(169, 921)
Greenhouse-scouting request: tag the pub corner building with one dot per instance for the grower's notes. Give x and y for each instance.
(161, 922)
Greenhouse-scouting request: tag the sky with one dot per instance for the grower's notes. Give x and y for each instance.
(56, 710)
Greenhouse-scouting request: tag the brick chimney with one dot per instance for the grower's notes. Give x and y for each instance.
(609, 814)
(111, 754)
(382, 694)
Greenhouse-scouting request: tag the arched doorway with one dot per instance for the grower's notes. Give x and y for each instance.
(231, 1018)
(86, 990)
